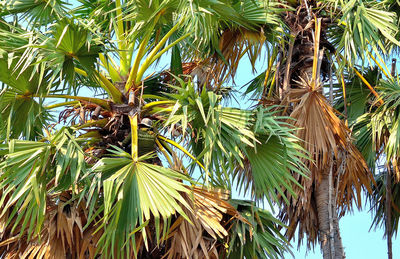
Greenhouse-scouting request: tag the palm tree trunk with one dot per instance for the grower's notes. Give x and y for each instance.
(329, 233)
(305, 51)
(388, 194)
(388, 214)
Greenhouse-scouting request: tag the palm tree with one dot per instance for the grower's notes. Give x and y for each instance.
(143, 162)
(101, 156)
(324, 44)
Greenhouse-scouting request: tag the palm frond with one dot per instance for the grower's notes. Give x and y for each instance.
(272, 160)
(328, 141)
(258, 236)
(378, 203)
(62, 235)
(209, 222)
(29, 171)
(134, 192)
(37, 13)
(247, 142)
(362, 24)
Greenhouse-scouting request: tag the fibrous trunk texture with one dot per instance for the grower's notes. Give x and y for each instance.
(388, 213)
(329, 235)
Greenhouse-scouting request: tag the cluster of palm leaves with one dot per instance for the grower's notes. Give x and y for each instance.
(117, 139)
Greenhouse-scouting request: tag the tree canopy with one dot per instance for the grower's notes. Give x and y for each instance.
(105, 153)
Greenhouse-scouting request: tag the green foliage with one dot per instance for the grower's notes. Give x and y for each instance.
(37, 12)
(217, 130)
(362, 24)
(110, 48)
(254, 146)
(65, 46)
(262, 240)
(270, 164)
(134, 193)
(24, 115)
(378, 128)
(28, 168)
(386, 120)
(360, 106)
(378, 204)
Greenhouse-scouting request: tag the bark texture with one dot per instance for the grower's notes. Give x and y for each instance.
(326, 236)
(388, 218)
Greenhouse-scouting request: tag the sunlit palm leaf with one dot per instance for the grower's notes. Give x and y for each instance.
(135, 192)
(363, 23)
(28, 171)
(38, 12)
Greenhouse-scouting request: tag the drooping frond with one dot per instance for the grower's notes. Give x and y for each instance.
(258, 236)
(329, 143)
(378, 203)
(210, 221)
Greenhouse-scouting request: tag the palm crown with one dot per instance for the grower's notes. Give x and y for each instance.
(142, 161)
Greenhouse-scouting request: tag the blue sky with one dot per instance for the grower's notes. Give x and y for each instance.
(358, 241)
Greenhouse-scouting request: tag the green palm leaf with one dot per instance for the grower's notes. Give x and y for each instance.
(260, 237)
(135, 193)
(38, 12)
(30, 170)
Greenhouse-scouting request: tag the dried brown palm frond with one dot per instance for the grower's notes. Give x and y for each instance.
(201, 238)
(328, 142)
(353, 177)
(322, 131)
(62, 234)
(396, 169)
(199, 71)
